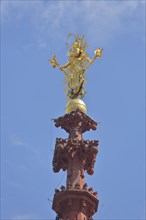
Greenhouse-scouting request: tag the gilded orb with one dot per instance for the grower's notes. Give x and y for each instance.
(74, 104)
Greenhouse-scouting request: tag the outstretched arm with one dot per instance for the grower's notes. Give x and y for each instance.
(54, 63)
(98, 54)
(65, 66)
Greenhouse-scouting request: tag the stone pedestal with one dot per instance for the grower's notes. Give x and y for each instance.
(75, 201)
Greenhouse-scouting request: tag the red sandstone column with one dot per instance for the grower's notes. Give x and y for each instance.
(75, 201)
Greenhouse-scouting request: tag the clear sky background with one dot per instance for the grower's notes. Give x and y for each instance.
(32, 93)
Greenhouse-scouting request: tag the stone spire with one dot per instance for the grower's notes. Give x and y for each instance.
(75, 201)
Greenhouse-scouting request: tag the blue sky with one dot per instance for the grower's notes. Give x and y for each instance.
(32, 94)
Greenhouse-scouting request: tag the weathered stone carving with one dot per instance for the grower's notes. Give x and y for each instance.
(75, 119)
(62, 188)
(68, 148)
(77, 186)
(85, 186)
(75, 201)
(57, 191)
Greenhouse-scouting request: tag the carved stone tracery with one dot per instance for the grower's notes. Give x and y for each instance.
(67, 149)
(76, 119)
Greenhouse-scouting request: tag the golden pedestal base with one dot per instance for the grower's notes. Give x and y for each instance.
(74, 104)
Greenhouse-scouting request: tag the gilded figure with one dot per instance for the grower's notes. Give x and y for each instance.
(76, 66)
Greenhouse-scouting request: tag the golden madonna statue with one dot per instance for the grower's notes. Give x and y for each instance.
(76, 66)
